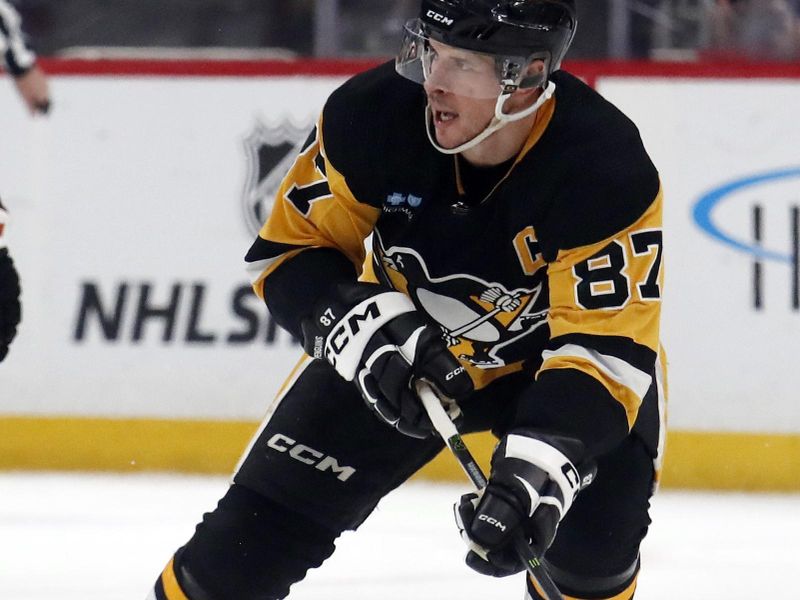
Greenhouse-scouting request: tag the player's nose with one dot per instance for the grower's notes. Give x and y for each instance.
(436, 82)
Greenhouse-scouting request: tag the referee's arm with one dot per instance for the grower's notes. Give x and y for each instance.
(18, 56)
(20, 61)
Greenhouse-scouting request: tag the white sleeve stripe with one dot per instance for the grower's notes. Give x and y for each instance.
(256, 268)
(614, 368)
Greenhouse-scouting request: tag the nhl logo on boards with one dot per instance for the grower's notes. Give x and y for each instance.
(270, 151)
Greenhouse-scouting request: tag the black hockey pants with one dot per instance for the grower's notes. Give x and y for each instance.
(321, 462)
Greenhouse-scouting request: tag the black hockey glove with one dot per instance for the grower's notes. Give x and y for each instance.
(10, 311)
(532, 485)
(376, 338)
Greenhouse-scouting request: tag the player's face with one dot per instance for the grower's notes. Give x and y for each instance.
(454, 84)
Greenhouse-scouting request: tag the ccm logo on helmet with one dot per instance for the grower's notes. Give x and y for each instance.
(439, 18)
(309, 456)
(492, 521)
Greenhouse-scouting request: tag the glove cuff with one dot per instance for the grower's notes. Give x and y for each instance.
(343, 324)
(556, 455)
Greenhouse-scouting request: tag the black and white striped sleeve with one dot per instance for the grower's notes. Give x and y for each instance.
(17, 55)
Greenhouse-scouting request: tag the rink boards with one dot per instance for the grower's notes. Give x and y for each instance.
(134, 203)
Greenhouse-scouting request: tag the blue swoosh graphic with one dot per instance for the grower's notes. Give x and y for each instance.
(702, 211)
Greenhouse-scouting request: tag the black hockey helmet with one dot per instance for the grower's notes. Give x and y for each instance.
(510, 27)
(512, 31)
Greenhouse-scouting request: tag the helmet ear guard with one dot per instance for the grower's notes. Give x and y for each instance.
(511, 70)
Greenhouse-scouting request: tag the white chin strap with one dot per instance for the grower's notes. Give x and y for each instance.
(499, 120)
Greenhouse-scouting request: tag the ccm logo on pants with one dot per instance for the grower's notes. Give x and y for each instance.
(309, 456)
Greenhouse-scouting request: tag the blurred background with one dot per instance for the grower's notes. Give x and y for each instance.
(620, 29)
(171, 124)
(142, 348)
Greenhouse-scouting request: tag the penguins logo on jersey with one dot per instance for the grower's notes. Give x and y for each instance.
(270, 152)
(483, 322)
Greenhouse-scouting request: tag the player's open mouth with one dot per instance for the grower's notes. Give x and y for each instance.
(441, 116)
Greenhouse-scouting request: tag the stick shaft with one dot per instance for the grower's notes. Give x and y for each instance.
(447, 430)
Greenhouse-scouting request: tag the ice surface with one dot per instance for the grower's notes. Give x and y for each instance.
(93, 537)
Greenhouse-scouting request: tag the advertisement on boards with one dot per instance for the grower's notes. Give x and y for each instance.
(134, 204)
(132, 208)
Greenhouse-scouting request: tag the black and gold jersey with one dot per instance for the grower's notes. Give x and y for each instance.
(554, 268)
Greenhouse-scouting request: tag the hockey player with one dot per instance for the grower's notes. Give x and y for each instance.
(10, 311)
(515, 266)
(21, 62)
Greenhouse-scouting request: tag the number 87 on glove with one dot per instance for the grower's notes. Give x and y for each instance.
(376, 338)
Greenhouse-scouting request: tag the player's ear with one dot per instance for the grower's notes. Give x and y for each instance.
(536, 68)
(533, 72)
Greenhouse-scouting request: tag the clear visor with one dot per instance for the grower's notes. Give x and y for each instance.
(456, 70)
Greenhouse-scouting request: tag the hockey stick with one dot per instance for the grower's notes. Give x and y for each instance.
(448, 432)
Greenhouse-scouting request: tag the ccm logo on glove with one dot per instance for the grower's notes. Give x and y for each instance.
(492, 521)
(375, 337)
(349, 327)
(346, 337)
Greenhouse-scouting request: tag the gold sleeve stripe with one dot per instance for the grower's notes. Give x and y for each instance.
(625, 594)
(171, 588)
(626, 384)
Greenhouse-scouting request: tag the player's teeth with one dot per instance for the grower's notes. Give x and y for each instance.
(446, 116)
